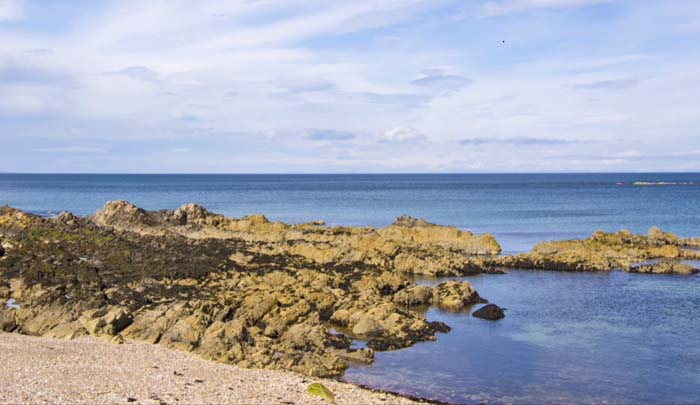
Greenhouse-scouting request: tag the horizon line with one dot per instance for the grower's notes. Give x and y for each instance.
(337, 173)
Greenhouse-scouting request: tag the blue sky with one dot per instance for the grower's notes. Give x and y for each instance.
(259, 86)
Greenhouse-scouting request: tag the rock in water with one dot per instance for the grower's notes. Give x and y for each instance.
(491, 312)
(454, 295)
(319, 390)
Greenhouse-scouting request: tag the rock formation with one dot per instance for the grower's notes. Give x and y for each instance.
(246, 291)
(266, 294)
(605, 252)
(409, 245)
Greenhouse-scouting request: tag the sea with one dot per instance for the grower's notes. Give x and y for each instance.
(566, 338)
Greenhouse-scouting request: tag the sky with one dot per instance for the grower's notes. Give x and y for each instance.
(362, 86)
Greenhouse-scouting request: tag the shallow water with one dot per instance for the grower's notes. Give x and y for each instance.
(567, 338)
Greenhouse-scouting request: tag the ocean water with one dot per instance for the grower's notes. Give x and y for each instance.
(615, 338)
(567, 337)
(519, 209)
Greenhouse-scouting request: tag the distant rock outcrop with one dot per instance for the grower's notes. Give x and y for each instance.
(409, 245)
(604, 252)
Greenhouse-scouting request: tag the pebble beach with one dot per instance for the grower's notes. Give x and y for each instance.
(88, 370)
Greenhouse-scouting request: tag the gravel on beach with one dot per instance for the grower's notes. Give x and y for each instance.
(87, 370)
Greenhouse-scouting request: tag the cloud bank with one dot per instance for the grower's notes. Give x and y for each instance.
(337, 86)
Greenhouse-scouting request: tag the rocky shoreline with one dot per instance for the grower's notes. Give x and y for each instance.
(264, 294)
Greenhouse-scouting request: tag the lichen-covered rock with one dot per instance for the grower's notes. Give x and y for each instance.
(454, 295)
(601, 252)
(367, 326)
(409, 245)
(414, 295)
(250, 292)
(664, 267)
(105, 320)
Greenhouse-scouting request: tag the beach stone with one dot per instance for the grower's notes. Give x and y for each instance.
(320, 390)
(491, 312)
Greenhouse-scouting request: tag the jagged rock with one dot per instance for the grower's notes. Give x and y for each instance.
(410, 222)
(414, 295)
(440, 327)
(251, 292)
(106, 321)
(254, 292)
(122, 213)
(491, 312)
(409, 245)
(664, 268)
(454, 295)
(601, 252)
(661, 237)
(8, 322)
(368, 326)
(67, 218)
(196, 214)
(365, 356)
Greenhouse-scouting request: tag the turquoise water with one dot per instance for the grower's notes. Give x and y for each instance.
(579, 338)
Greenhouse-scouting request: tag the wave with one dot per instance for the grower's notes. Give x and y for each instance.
(663, 183)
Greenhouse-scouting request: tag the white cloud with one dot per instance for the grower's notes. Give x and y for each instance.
(402, 134)
(11, 9)
(244, 81)
(502, 7)
(71, 149)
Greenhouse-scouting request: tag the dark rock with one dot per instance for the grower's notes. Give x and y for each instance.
(491, 312)
(440, 326)
(2, 250)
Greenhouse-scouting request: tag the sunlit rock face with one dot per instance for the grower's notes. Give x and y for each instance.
(246, 291)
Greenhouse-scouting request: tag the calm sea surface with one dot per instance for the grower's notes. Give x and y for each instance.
(580, 338)
(519, 210)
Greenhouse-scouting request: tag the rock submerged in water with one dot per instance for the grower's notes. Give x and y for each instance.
(491, 312)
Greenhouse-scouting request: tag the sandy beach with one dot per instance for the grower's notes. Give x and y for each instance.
(87, 370)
